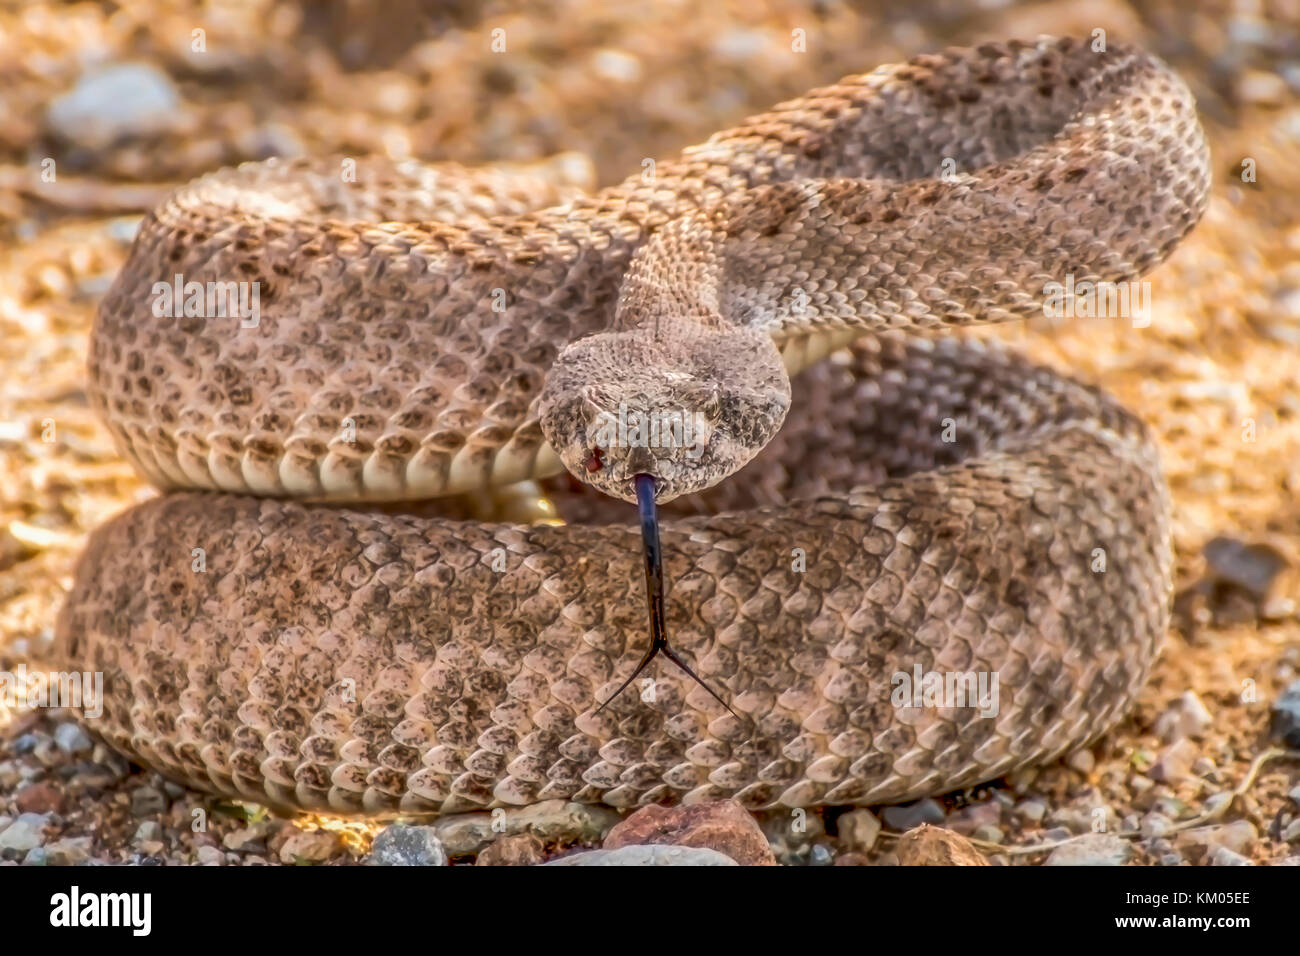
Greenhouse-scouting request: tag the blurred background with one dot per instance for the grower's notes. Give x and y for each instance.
(104, 106)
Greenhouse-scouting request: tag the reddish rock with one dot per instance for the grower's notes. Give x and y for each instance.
(38, 798)
(934, 846)
(723, 825)
(522, 849)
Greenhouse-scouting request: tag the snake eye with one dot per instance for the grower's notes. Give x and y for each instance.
(594, 462)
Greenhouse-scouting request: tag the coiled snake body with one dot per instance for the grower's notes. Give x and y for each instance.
(930, 505)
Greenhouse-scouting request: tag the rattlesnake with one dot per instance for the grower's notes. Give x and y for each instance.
(932, 505)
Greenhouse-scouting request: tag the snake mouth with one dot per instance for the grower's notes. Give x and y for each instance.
(654, 587)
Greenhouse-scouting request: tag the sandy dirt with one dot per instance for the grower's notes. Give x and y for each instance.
(1214, 372)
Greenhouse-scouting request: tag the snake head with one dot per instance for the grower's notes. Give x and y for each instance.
(685, 402)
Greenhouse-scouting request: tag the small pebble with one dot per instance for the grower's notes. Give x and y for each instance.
(859, 829)
(250, 839)
(209, 855)
(148, 831)
(402, 845)
(1261, 88)
(114, 102)
(968, 819)
(1248, 567)
(47, 752)
(1222, 856)
(722, 825)
(521, 849)
(70, 851)
(1278, 608)
(124, 229)
(1159, 845)
(72, 739)
(1032, 810)
(25, 832)
(820, 855)
(1285, 722)
(1093, 849)
(1156, 825)
(1174, 763)
(1238, 836)
(1082, 761)
(1171, 807)
(658, 854)
(38, 798)
(903, 818)
(147, 802)
(1186, 717)
(310, 847)
(1073, 819)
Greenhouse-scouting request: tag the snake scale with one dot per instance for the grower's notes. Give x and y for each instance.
(915, 503)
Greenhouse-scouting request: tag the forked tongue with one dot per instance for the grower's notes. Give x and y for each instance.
(654, 592)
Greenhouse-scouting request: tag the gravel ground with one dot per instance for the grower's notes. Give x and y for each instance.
(102, 108)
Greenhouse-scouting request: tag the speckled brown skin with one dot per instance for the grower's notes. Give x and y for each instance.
(366, 661)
